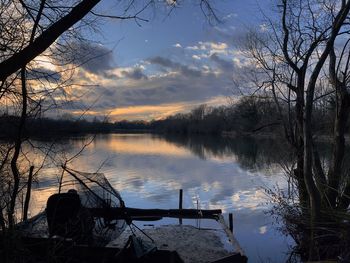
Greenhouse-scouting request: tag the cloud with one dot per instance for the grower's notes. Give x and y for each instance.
(181, 68)
(263, 27)
(132, 88)
(209, 46)
(223, 64)
(135, 74)
(177, 45)
(92, 57)
(171, 2)
(232, 34)
(193, 47)
(196, 76)
(230, 16)
(145, 112)
(148, 111)
(165, 62)
(218, 46)
(192, 77)
(42, 73)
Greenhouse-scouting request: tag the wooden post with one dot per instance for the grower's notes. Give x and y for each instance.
(230, 218)
(29, 190)
(180, 204)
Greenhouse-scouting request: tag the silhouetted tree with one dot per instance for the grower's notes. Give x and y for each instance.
(292, 56)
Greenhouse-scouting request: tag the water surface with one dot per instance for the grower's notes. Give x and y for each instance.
(148, 170)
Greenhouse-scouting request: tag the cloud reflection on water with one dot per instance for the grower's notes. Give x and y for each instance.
(149, 170)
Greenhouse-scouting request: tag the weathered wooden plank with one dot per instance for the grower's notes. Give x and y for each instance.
(130, 213)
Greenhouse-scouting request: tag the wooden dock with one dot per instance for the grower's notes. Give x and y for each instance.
(174, 243)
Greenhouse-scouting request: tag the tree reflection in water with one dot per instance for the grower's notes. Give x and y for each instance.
(331, 231)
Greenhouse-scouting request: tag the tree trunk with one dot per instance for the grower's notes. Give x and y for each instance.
(340, 121)
(28, 193)
(18, 144)
(320, 178)
(308, 144)
(314, 195)
(335, 171)
(299, 144)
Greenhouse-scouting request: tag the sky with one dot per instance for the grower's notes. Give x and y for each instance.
(170, 64)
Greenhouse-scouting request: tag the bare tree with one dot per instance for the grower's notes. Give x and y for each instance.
(292, 59)
(338, 192)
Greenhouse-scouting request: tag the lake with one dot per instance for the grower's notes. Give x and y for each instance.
(148, 170)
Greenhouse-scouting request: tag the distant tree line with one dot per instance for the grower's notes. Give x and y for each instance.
(44, 127)
(248, 116)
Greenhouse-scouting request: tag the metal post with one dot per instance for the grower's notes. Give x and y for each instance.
(230, 218)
